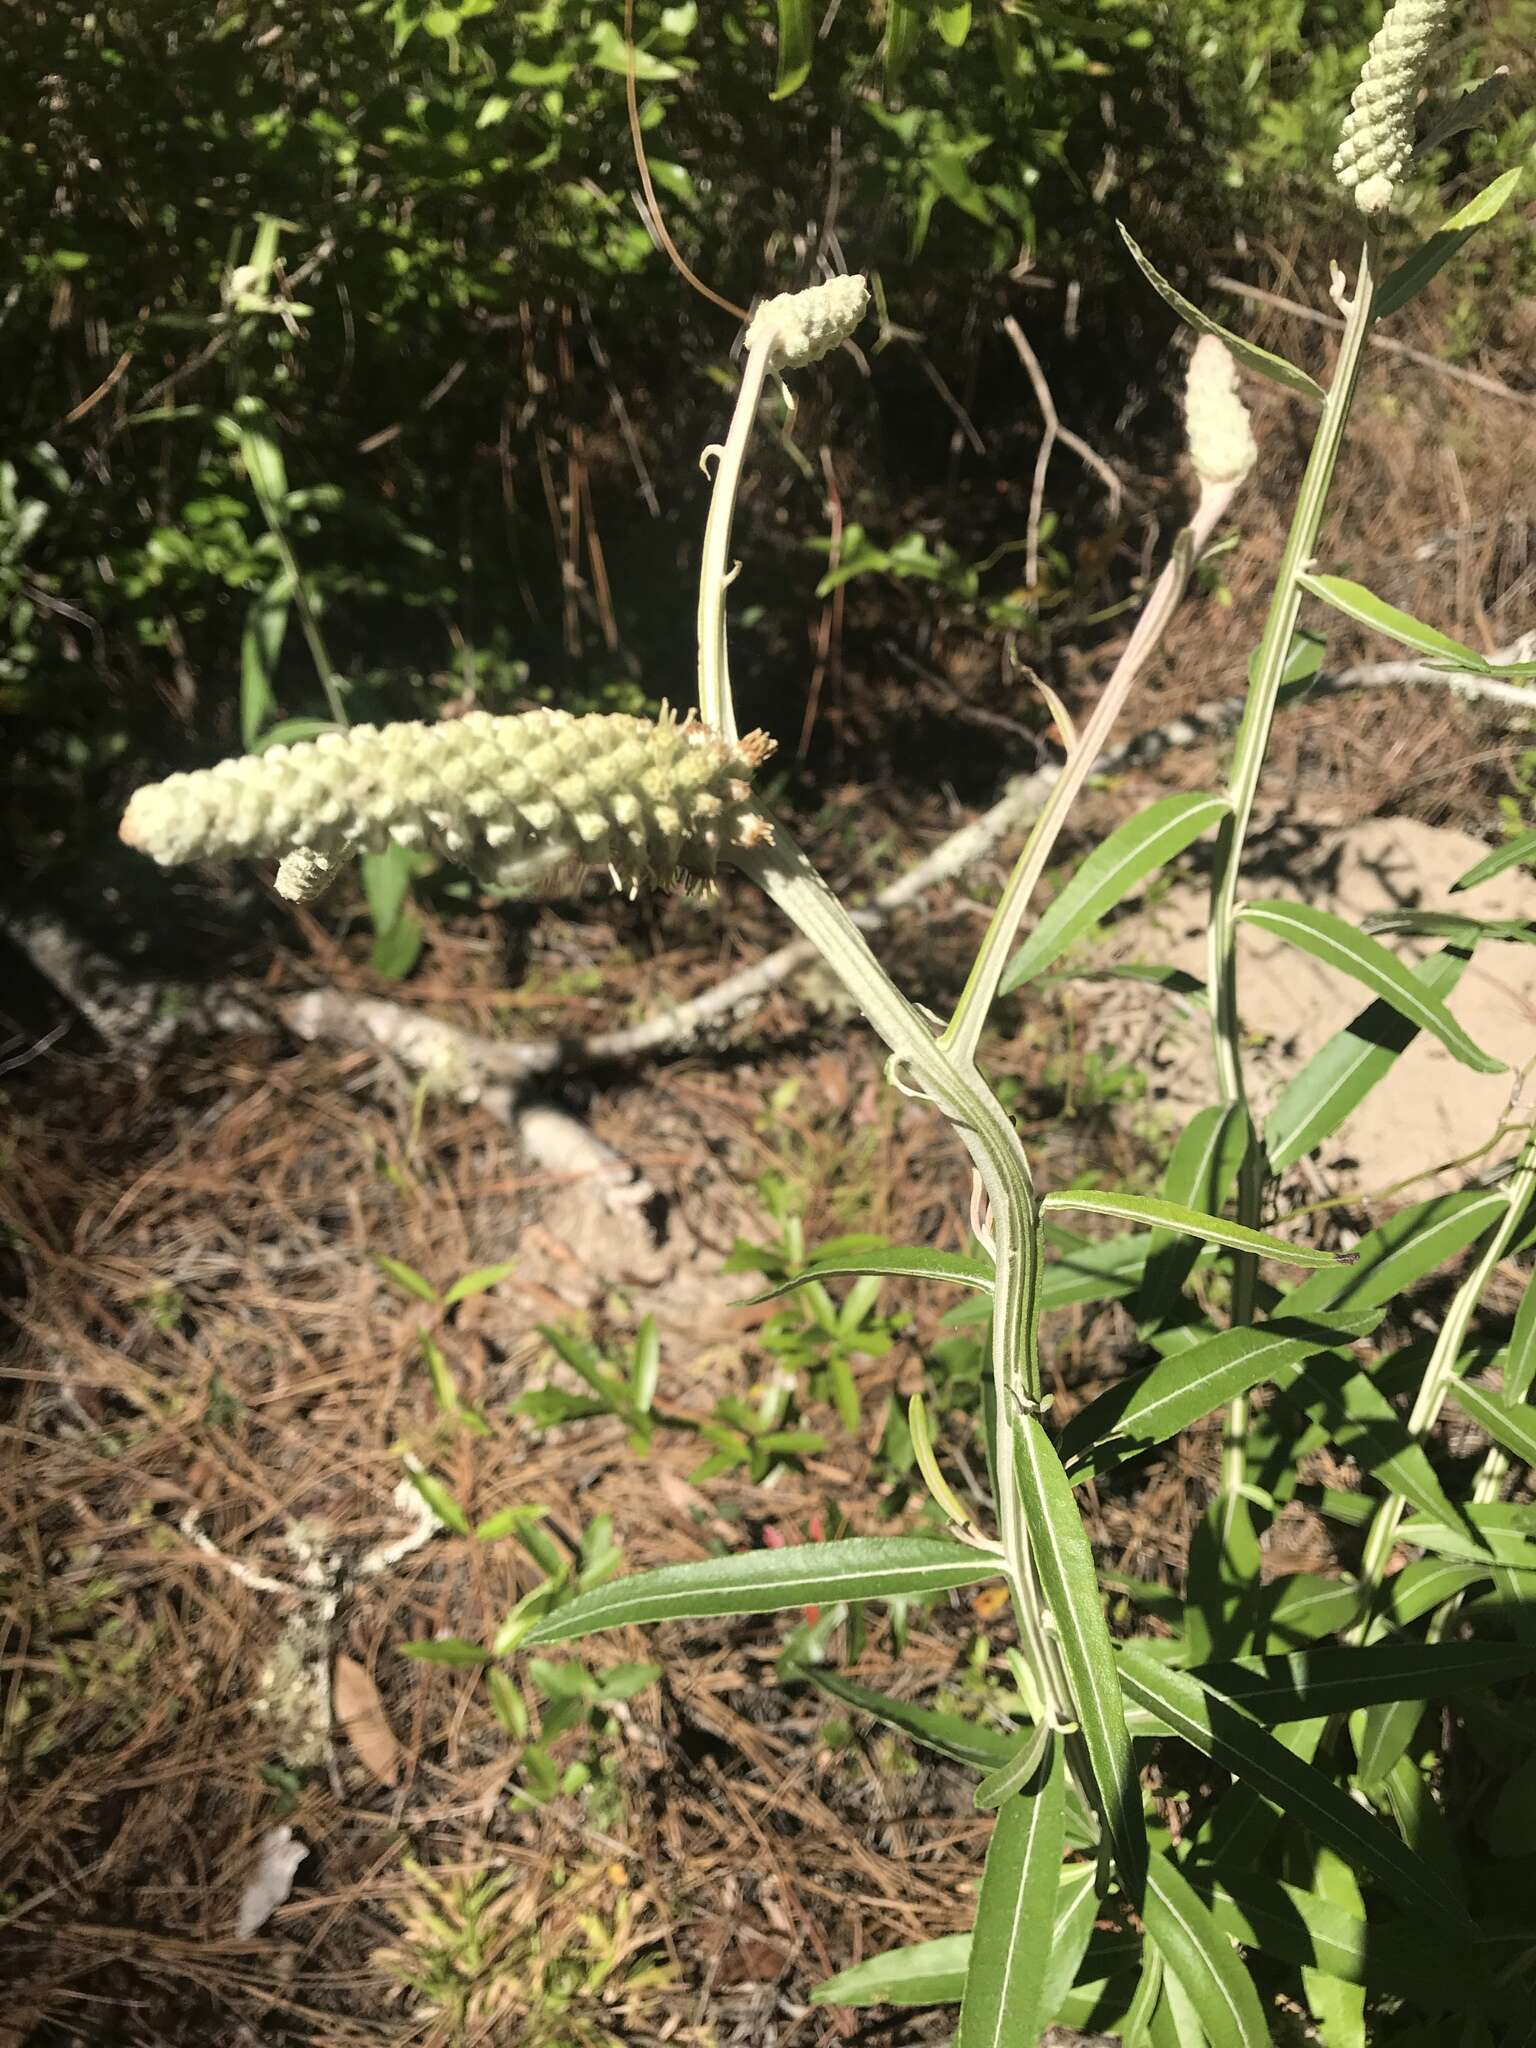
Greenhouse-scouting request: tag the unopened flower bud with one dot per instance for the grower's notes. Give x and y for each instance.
(508, 798)
(1377, 140)
(1221, 443)
(808, 325)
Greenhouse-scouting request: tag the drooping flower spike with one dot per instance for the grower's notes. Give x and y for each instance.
(510, 798)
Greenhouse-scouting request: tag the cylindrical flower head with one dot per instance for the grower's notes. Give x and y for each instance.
(1377, 139)
(808, 325)
(508, 798)
(1221, 443)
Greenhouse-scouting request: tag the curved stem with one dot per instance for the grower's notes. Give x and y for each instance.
(715, 705)
(788, 877)
(1247, 765)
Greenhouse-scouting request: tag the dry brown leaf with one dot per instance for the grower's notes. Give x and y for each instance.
(360, 1714)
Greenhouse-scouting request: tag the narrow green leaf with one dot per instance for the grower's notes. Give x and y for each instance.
(1173, 1216)
(507, 1521)
(1200, 1175)
(1339, 1076)
(1520, 1359)
(903, 27)
(797, 31)
(453, 1651)
(1511, 1827)
(1415, 271)
(1108, 874)
(1503, 1532)
(926, 1973)
(1338, 2005)
(1145, 1409)
(1424, 1827)
(1077, 1903)
(764, 1581)
(951, 1735)
(1013, 1775)
(1296, 1926)
(1511, 1424)
(1090, 1269)
(1364, 1425)
(1016, 1914)
(439, 1500)
(479, 1282)
(1064, 1561)
(1199, 1710)
(646, 1368)
(1513, 853)
(1337, 944)
(407, 1277)
(894, 1262)
(1389, 1259)
(933, 1972)
(261, 648)
(1196, 1951)
(1173, 981)
(1450, 925)
(1248, 354)
(1304, 1683)
(1369, 610)
(1382, 1734)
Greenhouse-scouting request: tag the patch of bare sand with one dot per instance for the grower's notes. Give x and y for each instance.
(1431, 1111)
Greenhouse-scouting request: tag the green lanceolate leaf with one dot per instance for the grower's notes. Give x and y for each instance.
(933, 1972)
(764, 1581)
(1411, 275)
(903, 27)
(1503, 1532)
(1276, 368)
(1306, 1683)
(952, 1735)
(1130, 853)
(797, 32)
(1202, 1714)
(1520, 1359)
(1389, 1259)
(1135, 1413)
(926, 1973)
(893, 1262)
(1296, 1926)
(1511, 1424)
(1450, 925)
(1016, 1914)
(1196, 1951)
(1090, 1269)
(1064, 1561)
(1166, 1215)
(1339, 1076)
(1363, 1424)
(1200, 1175)
(1366, 609)
(1521, 850)
(1337, 944)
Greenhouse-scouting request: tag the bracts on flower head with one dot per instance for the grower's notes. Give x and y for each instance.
(510, 798)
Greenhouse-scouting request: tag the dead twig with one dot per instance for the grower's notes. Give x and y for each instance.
(1054, 432)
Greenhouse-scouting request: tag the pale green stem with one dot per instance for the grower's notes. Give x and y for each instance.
(715, 705)
(963, 1034)
(1441, 1372)
(1247, 764)
(787, 876)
